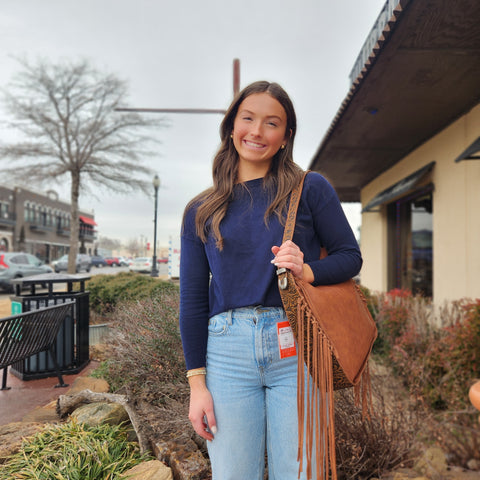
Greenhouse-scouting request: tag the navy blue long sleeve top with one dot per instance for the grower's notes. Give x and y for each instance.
(241, 275)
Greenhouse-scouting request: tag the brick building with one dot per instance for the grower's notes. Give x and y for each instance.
(39, 224)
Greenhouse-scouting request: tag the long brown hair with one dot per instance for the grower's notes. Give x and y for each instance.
(283, 175)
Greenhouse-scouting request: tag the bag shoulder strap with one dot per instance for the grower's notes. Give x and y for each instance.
(292, 210)
(290, 227)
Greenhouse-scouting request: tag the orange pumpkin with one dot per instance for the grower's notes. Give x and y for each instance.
(474, 395)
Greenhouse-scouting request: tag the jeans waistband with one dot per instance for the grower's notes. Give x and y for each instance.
(254, 311)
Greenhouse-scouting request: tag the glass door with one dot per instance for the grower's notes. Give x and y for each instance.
(410, 237)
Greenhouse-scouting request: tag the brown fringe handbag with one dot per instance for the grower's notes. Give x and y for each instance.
(335, 334)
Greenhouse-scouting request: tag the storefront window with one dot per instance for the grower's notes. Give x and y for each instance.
(4, 209)
(42, 218)
(410, 234)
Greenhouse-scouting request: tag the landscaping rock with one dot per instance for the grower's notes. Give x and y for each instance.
(473, 464)
(45, 414)
(432, 464)
(151, 470)
(100, 413)
(12, 435)
(459, 473)
(401, 474)
(185, 460)
(88, 383)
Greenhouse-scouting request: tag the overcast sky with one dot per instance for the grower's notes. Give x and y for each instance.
(179, 54)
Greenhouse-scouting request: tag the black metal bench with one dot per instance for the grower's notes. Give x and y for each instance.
(29, 333)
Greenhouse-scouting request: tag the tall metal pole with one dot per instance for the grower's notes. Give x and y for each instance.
(156, 184)
(236, 76)
(236, 89)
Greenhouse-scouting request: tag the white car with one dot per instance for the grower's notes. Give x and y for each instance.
(141, 264)
(124, 262)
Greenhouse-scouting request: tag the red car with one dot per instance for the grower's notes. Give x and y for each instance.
(112, 261)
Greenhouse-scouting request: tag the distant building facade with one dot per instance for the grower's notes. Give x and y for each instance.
(40, 224)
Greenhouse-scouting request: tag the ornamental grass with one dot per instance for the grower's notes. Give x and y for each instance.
(74, 451)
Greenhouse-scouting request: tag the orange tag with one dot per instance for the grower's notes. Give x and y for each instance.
(286, 340)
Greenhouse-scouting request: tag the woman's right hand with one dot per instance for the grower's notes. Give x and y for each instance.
(201, 407)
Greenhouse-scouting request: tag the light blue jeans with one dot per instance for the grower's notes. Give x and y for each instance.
(254, 395)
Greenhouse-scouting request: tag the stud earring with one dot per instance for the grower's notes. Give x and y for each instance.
(283, 146)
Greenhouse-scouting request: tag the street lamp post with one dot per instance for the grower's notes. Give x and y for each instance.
(156, 185)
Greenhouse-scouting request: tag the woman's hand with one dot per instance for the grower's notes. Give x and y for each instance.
(201, 406)
(288, 255)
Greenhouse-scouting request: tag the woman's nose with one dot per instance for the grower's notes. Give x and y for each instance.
(256, 129)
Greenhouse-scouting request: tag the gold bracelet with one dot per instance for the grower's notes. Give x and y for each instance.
(196, 371)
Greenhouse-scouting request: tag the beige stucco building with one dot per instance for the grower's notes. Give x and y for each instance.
(406, 144)
(455, 215)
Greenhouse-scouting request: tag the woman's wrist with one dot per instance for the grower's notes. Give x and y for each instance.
(196, 371)
(307, 274)
(196, 378)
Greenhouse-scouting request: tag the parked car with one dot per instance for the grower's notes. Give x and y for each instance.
(17, 265)
(112, 261)
(124, 262)
(84, 262)
(141, 264)
(98, 261)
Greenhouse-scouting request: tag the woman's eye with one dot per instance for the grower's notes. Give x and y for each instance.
(273, 124)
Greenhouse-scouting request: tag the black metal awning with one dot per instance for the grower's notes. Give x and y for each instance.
(399, 189)
(471, 153)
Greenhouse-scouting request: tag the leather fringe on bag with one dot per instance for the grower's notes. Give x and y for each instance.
(335, 334)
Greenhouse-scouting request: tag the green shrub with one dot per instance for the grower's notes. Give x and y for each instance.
(391, 317)
(74, 451)
(437, 363)
(107, 291)
(452, 362)
(106, 371)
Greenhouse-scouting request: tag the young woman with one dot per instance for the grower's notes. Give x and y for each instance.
(241, 360)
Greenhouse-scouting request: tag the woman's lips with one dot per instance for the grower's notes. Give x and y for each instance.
(251, 144)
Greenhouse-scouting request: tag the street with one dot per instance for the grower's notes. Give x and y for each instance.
(162, 272)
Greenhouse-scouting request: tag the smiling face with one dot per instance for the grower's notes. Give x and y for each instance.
(259, 130)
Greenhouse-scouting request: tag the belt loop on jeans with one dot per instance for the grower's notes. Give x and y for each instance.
(229, 317)
(261, 309)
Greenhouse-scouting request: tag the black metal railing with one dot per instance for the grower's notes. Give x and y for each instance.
(7, 218)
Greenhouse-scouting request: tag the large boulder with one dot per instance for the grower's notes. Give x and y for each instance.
(94, 414)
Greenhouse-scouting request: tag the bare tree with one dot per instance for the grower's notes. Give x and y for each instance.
(66, 112)
(134, 247)
(109, 243)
